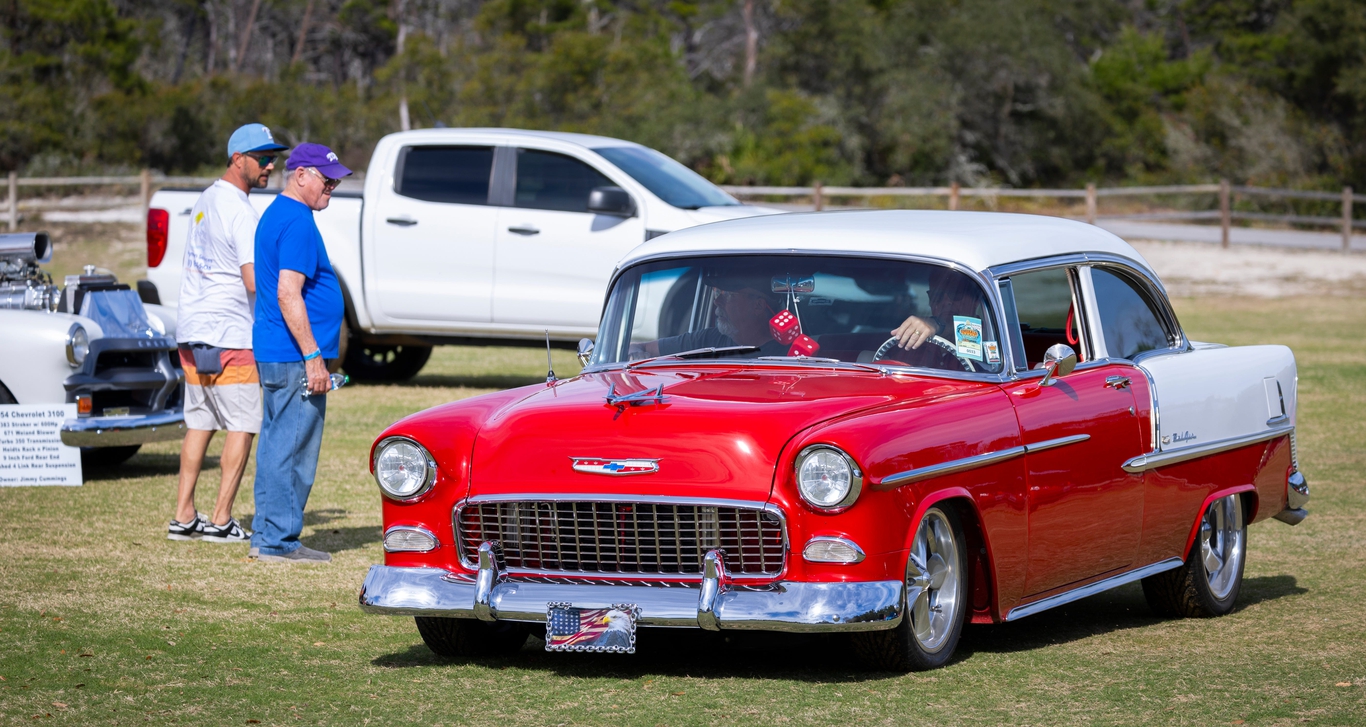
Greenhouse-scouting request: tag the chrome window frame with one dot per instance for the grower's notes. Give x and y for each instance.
(985, 282)
(472, 564)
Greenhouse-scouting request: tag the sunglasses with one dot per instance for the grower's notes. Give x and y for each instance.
(329, 183)
(264, 160)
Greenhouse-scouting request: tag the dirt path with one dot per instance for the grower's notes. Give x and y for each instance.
(1201, 269)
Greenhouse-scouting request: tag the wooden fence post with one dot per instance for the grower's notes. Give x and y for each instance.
(1346, 219)
(953, 196)
(146, 190)
(818, 196)
(1225, 214)
(13, 201)
(1090, 203)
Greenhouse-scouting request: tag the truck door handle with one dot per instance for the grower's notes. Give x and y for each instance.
(524, 230)
(1117, 382)
(402, 221)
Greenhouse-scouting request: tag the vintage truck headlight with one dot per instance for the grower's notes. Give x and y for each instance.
(77, 345)
(827, 478)
(403, 468)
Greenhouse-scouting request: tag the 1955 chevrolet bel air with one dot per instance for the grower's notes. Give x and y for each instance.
(883, 423)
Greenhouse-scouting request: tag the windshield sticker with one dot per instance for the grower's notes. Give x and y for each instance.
(993, 351)
(967, 337)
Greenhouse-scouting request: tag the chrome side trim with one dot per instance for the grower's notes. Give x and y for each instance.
(787, 606)
(1153, 460)
(967, 463)
(945, 468)
(1030, 609)
(1059, 442)
(414, 528)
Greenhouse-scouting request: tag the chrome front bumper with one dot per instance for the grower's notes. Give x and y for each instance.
(786, 606)
(124, 431)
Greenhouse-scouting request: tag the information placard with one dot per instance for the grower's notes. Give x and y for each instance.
(31, 449)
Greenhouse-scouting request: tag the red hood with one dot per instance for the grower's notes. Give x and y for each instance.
(718, 433)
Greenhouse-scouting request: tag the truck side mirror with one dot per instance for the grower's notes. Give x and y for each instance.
(612, 201)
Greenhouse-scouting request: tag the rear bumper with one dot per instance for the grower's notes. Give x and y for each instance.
(1296, 497)
(163, 426)
(786, 606)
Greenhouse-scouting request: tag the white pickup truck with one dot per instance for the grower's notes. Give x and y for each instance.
(475, 236)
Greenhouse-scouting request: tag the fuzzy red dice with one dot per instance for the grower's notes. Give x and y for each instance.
(803, 346)
(784, 327)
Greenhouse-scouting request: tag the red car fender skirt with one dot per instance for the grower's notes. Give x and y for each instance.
(1217, 494)
(981, 569)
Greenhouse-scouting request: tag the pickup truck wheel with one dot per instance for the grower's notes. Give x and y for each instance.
(1208, 584)
(107, 456)
(384, 362)
(461, 637)
(936, 601)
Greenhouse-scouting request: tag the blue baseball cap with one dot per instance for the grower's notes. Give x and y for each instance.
(252, 137)
(319, 157)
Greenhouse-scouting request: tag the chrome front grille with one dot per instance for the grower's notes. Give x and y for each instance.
(627, 538)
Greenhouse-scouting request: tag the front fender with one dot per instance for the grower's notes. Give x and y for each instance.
(33, 361)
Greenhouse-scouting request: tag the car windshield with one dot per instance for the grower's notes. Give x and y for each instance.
(844, 309)
(666, 178)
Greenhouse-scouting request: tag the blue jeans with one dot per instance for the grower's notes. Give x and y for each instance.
(286, 456)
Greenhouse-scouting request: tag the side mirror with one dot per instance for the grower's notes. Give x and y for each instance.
(612, 201)
(1058, 360)
(585, 350)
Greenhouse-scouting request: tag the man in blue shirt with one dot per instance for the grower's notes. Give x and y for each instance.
(299, 313)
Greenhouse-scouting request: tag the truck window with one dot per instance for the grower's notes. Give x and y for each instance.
(452, 174)
(550, 181)
(1127, 318)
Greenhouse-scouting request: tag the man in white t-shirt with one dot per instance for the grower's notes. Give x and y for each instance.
(222, 388)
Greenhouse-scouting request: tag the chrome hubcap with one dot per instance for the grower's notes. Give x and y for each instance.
(1221, 545)
(932, 581)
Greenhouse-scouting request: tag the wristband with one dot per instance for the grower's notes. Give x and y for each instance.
(316, 353)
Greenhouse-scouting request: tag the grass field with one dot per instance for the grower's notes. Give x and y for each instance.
(102, 620)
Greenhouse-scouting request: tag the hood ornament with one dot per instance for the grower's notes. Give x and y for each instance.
(603, 466)
(639, 398)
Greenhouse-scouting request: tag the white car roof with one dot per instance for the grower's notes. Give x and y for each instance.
(975, 240)
(585, 140)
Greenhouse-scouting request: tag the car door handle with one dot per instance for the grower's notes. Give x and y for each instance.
(1117, 382)
(524, 230)
(402, 221)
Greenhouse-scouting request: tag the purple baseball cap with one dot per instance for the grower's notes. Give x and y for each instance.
(319, 157)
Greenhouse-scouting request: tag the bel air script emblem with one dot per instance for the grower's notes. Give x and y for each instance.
(601, 466)
(1185, 436)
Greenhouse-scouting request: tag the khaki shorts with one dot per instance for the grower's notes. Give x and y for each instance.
(230, 400)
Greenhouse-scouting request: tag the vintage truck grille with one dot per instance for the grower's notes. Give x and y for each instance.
(626, 538)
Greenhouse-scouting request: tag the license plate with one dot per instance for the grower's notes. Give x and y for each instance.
(576, 628)
(116, 411)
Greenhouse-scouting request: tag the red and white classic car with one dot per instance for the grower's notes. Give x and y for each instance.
(884, 423)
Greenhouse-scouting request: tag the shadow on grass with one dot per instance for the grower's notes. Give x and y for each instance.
(829, 657)
(145, 464)
(338, 539)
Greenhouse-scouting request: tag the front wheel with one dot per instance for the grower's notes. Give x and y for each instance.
(1208, 583)
(464, 638)
(936, 601)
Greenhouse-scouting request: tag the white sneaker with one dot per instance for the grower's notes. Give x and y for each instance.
(192, 530)
(229, 532)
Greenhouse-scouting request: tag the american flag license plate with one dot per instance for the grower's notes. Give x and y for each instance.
(575, 628)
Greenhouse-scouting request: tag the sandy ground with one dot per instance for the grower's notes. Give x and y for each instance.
(1198, 269)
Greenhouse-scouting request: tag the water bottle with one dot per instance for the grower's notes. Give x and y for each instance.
(338, 381)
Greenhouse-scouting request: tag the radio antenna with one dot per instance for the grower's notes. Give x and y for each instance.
(550, 368)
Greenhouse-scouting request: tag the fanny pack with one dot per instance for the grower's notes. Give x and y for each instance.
(207, 359)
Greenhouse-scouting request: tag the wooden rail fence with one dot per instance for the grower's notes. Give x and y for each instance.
(147, 183)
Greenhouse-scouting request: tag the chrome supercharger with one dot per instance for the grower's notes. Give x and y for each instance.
(24, 285)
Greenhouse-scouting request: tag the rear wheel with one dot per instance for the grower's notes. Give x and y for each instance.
(384, 362)
(936, 601)
(1208, 584)
(461, 637)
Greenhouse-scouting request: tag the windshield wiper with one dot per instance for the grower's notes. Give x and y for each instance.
(821, 361)
(696, 353)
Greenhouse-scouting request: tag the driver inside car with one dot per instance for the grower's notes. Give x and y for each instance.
(950, 293)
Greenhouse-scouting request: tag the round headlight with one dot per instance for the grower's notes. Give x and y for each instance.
(403, 468)
(828, 478)
(77, 345)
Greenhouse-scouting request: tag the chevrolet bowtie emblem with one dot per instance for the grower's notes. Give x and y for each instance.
(601, 466)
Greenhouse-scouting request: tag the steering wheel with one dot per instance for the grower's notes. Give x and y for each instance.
(948, 351)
